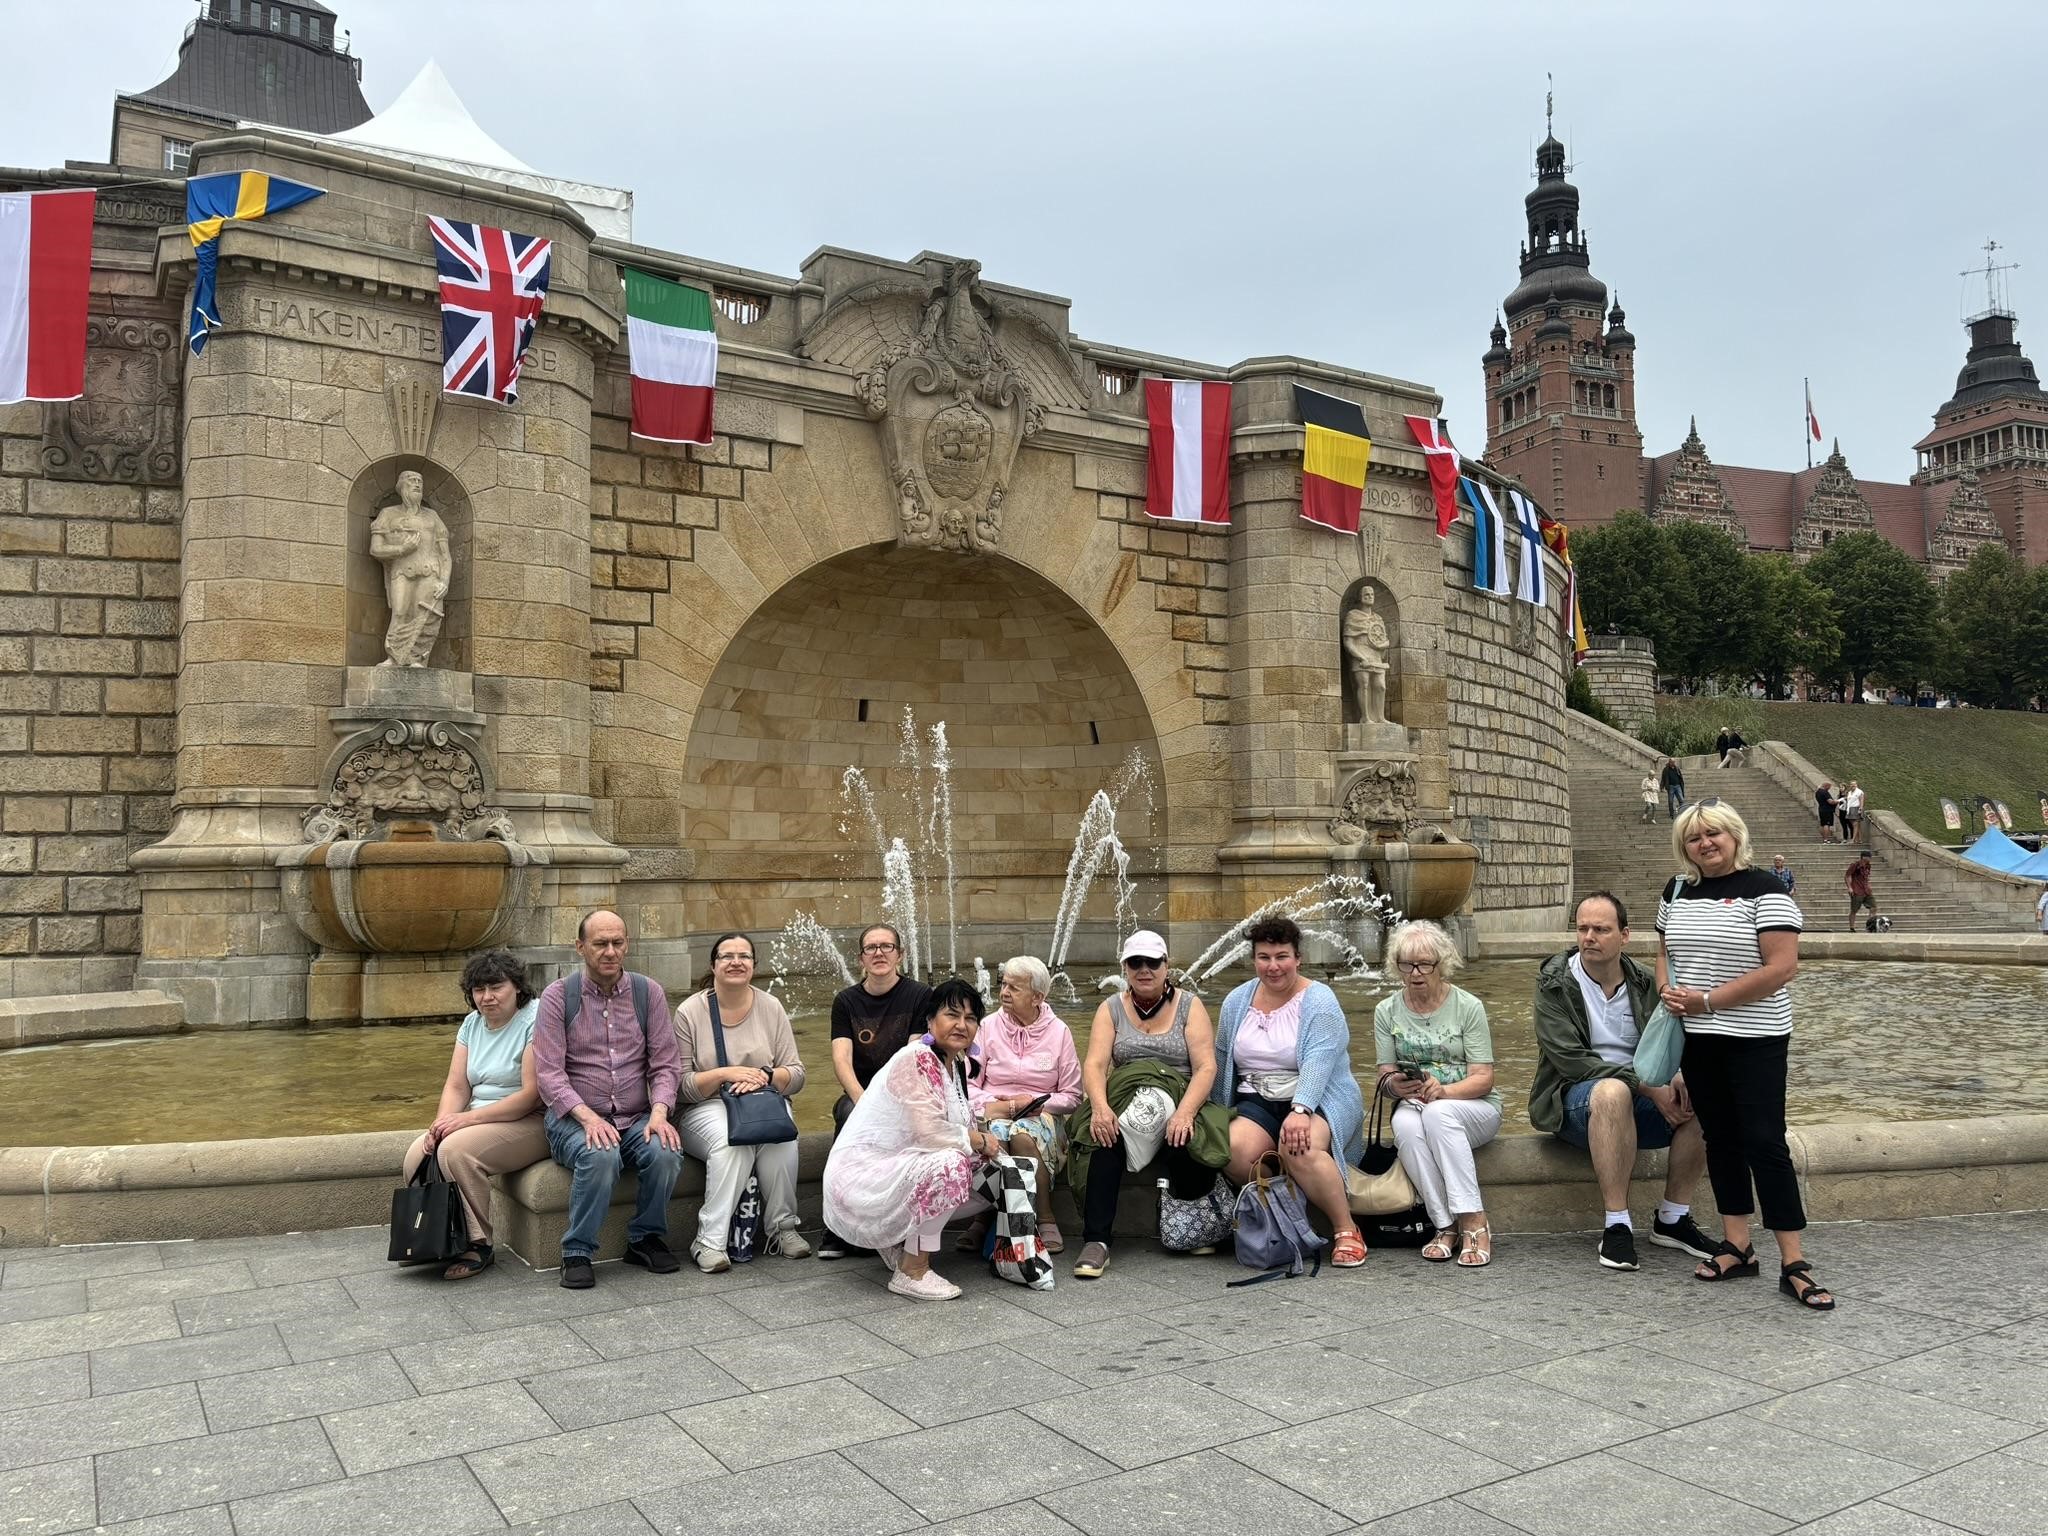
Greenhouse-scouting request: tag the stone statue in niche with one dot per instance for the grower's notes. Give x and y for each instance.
(410, 541)
(1367, 644)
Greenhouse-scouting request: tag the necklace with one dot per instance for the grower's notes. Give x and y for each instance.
(1147, 1013)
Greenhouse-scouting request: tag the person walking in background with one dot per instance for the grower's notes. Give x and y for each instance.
(1673, 780)
(1731, 747)
(1857, 879)
(1852, 814)
(1785, 876)
(1649, 788)
(1824, 801)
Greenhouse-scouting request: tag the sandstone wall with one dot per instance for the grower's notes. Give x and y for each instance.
(1622, 671)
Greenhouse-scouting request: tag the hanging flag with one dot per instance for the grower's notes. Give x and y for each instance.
(1812, 421)
(45, 277)
(1570, 621)
(210, 203)
(1443, 463)
(1489, 540)
(1187, 468)
(1529, 569)
(673, 338)
(493, 284)
(1334, 448)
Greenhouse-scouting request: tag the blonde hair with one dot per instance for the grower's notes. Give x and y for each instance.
(1715, 816)
(1425, 935)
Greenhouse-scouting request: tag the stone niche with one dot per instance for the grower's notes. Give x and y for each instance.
(368, 614)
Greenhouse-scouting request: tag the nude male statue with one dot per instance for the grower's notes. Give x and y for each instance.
(411, 542)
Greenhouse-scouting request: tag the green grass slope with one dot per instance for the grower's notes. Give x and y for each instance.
(1906, 759)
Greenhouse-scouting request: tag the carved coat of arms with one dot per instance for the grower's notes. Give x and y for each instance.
(125, 426)
(958, 380)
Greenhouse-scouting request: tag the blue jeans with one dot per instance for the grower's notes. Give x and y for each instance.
(1652, 1129)
(593, 1171)
(1675, 794)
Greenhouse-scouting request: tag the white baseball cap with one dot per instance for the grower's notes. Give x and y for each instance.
(1144, 945)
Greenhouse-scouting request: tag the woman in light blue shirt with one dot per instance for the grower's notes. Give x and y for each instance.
(489, 1119)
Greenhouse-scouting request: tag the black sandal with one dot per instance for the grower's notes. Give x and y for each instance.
(474, 1262)
(1744, 1266)
(1796, 1280)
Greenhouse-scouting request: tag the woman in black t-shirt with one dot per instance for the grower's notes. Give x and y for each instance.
(1728, 946)
(871, 1021)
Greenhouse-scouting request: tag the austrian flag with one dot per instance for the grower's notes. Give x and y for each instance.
(493, 284)
(1187, 473)
(45, 272)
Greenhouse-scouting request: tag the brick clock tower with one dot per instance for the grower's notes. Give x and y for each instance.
(1560, 375)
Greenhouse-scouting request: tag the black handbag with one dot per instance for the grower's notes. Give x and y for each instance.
(428, 1220)
(751, 1119)
(1405, 1229)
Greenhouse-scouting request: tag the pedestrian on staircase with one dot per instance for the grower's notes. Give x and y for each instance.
(1824, 800)
(1649, 796)
(1785, 876)
(1852, 814)
(1857, 880)
(1673, 780)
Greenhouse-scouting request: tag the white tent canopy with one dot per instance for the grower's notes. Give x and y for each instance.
(429, 124)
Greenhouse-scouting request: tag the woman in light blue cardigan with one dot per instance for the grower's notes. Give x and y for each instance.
(1283, 1062)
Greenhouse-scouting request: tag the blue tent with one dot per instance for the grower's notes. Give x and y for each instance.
(2035, 867)
(1994, 850)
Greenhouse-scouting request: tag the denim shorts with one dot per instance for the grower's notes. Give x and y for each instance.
(1652, 1129)
(1266, 1114)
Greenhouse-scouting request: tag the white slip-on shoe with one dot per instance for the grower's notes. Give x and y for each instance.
(929, 1286)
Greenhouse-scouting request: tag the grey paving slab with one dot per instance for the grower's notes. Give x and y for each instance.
(783, 1357)
(1415, 1346)
(834, 1294)
(2034, 1448)
(612, 1390)
(265, 1304)
(822, 1493)
(1788, 1473)
(440, 1497)
(45, 1336)
(1870, 1327)
(206, 1520)
(471, 1359)
(1604, 1494)
(924, 1469)
(1365, 1464)
(1877, 1519)
(1764, 1356)
(1028, 1519)
(504, 1299)
(619, 1519)
(963, 1383)
(758, 1428)
(42, 1500)
(351, 1332)
(1298, 1382)
(145, 1286)
(87, 1426)
(1119, 1348)
(418, 1429)
(661, 1325)
(1644, 1384)
(331, 1256)
(213, 1470)
(1515, 1420)
(584, 1467)
(270, 1250)
(127, 1367)
(302, 1391)
(1121, 1291)
(1995, 1495)
(977, 1318)
(1978, 1373)
(1245, 1323)
(1444, 1517)
(27, 1383)
(1922, 1432)
(30, 1302)
(1203, 1492)
(49, 1266)
(1136, 1423)
(1567, 1320)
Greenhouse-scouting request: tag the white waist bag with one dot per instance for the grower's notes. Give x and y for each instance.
(1143, 1126)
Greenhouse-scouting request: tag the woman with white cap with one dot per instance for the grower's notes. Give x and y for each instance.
(1163, 1034)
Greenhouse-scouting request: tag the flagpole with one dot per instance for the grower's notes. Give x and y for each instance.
(1806, 422)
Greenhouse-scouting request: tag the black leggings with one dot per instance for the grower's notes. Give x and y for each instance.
(1186, 1179)
(1737, 1087)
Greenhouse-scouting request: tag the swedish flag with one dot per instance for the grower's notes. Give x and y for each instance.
(210, 202)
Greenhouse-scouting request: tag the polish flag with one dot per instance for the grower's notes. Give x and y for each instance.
(1188, 459)
(45, 275)
(1812, 421)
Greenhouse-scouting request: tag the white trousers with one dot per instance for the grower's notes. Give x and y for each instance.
(1435, 1143)
(725, 1177)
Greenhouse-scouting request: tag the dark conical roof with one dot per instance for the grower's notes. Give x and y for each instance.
(1995, 366)
(232, 69)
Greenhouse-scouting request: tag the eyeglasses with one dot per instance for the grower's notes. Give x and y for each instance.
(1143, 963)
(878, 949)
(731, 955)
(1415, 967)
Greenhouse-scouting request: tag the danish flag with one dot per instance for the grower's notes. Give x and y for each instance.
(493, 284)
(1443, 463)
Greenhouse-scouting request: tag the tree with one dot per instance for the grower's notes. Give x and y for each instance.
(1630, 580)
(1790, 622)
(1889, 615)
(1985, 605)
(1714, 566)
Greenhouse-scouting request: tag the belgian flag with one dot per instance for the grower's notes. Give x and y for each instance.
(1335, 446)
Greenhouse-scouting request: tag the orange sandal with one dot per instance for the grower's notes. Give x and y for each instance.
(1348, 1249)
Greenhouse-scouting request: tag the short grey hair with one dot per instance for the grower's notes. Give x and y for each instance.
(1030, 970)
(1419, 934)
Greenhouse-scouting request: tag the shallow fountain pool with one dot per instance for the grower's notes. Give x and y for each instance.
(1874, 1041)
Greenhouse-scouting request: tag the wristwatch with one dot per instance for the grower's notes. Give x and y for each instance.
(1302, 1109)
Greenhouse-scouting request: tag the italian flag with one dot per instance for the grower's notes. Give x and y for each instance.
(1187, 476)
(674, 343)
(45, 276)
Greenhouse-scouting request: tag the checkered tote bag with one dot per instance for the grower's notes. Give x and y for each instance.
(1006, 1182)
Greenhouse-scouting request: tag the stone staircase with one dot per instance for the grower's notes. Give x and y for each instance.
(1922, 888)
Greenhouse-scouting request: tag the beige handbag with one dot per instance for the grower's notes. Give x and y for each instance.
(1381, 1187)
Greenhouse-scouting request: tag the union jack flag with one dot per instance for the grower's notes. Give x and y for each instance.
(493, 284)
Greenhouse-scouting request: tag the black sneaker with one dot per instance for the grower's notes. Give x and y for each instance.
(830, 1246)
(1684, 1235)
(577, 1275)
(1618, 1247)
(652, 1253)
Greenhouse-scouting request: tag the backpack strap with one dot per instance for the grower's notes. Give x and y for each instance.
(642, 1006)
(572, 998)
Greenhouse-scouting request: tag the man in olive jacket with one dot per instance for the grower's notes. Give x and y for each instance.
(1591, 1004)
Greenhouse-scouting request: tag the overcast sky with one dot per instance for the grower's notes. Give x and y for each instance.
(1775, 190)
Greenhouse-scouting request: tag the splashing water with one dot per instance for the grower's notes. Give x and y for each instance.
(1352, 898)
(899, 901)
(804, 947)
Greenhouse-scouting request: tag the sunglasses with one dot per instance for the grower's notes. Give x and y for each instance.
(1140, 963)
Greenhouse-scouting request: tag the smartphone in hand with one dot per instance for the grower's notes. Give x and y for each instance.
(1032, 1108)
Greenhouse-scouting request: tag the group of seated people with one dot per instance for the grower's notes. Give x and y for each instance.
(600, 1074)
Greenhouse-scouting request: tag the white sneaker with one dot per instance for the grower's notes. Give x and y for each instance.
(790, 1244)
(929, 1286)
(712, 1260)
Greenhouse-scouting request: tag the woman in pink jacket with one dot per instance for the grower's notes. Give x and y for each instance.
(1030, 1080)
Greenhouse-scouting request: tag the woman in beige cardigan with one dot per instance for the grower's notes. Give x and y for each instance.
(760, 1051)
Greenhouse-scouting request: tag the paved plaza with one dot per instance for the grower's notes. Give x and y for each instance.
(268, 1386)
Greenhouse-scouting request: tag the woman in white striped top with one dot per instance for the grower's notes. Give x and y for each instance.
(1728, 948)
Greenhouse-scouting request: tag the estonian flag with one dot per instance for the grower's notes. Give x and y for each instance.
(1489, 540)
(1334, 449)
(210, 202)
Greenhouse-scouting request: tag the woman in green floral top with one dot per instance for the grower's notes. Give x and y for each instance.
(1436, 1060)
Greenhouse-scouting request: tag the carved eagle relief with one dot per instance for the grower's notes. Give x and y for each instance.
(958, 380)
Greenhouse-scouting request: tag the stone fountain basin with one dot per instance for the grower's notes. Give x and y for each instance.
(407, 894)
(1429, 880)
